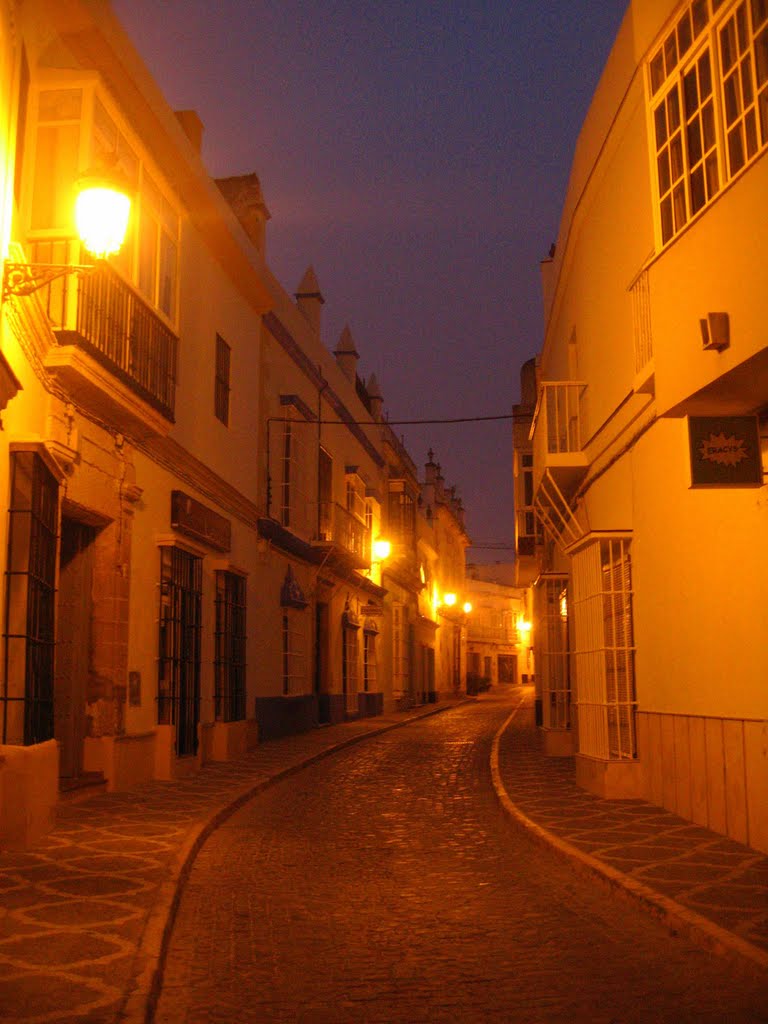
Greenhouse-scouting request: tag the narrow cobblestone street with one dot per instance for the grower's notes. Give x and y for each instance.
(385, 884)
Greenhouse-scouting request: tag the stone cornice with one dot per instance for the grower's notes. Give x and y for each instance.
(184, 466)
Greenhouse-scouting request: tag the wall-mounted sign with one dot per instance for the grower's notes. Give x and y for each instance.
(291, 594)
(725, 451)
(196, 520)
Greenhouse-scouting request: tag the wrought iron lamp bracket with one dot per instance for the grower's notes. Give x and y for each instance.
(26, 278)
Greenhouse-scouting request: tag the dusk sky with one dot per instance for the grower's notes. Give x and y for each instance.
(416, 154)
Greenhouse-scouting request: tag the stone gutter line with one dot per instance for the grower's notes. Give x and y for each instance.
(677, 917)
(146, 977)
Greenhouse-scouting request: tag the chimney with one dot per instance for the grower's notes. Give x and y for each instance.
(374, 397)
(428, 488)
(193, 127)
(346, 355)
(309, 300)
(244, 195)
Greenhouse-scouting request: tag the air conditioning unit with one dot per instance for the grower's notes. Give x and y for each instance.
(715, 331)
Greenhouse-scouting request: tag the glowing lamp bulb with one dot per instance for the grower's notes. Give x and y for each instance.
(381, 549)
(450, 600)
(467, 607)
(524, 626)
(101, 215)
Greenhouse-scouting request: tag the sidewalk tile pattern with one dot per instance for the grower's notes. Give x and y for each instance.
(74, 910)
(703, 871)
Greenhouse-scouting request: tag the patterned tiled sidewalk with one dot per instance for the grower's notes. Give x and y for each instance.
(83, 915)
(698, 880)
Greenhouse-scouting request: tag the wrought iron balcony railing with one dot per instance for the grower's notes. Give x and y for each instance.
(100, 313)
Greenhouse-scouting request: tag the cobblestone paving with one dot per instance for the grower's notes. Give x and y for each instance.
(74, 910)
(386, 885)
(723, 881)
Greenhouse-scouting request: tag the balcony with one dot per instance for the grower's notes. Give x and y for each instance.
(482, 633)
(113, 355)
(557, 435)
(342, 533)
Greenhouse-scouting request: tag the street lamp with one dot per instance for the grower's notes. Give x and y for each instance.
(382, 549)
(101, 215)
(102, 209)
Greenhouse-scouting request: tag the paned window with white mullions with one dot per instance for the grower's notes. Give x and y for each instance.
(708, 81)
(294, 647)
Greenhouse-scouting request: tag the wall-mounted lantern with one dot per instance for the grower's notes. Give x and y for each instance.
(102, 210)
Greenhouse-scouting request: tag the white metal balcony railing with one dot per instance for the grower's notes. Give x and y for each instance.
(341, 529)
(641, 321)
(101, 314)
(556, 427)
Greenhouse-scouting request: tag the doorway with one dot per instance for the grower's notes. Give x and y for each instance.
(73, 643)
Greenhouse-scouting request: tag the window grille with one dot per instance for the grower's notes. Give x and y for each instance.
(178, 695)
(399, 650)
(708, 81)
(604, 651)
(402, 514)
(294, 672)
(552, 657)
(221, 387)
(27, 693)
(349, 667)
(230, 641)
(296, 507)
(369, 662)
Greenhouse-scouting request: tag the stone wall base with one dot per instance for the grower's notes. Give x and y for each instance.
(230, 740)
(125, 761)
(370, 704)
(284, 716)
(29, 792)
(611, 780)
(169, 767)
(558, 742)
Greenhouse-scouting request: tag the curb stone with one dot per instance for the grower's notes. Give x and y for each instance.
(673, 914)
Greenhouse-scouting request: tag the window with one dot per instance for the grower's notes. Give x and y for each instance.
(221, 386)
(369, 660)
(402, 512)
(708, 82)
(291, 449)
(552, 651)
(356, 497)
(294, 659)
(229, 665)
(400, 681)
(604, 652)
(287, 458)
(527, 526)
(158, 233)
(349, 665)
(26, 698)
(21, 125)
(178, 691)
(75, 131)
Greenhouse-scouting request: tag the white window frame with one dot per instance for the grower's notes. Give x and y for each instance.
(603, 648)
(688, 175)
(293, 650)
